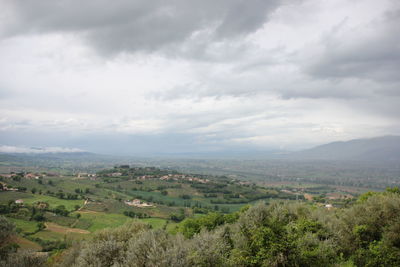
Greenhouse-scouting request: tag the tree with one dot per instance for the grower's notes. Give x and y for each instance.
(40, 226)
(6, 230)
(39, 217)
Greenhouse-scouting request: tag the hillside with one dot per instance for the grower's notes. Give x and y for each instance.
(50, 213)
(386, 148)
(52, 210)
(274, 234)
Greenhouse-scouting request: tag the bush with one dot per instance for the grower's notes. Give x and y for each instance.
(24, 259)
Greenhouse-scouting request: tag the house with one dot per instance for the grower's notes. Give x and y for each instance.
(19, 201)
(31, 176)
(11, 175)
(329, 206)
(4, 187)
(82, 174)
(138, 203)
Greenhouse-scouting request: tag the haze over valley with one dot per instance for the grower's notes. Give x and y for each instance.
(199, 133)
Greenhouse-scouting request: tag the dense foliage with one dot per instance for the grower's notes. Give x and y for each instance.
(279, 234)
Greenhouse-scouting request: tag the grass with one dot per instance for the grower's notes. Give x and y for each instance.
(57, 236)
(156, 223)
(25, 244)
(82, 223)
(10, 195)
(26, 226)
(53, 202)
(61, 220)
(101, 220)
(171, 227)
(64, 230)
(49, 235)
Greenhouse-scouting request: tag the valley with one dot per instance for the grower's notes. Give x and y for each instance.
(51, 211)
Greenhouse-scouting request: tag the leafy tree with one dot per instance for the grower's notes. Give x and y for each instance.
(40, 226)
(369, 231)
(39, 217)
(6, 230)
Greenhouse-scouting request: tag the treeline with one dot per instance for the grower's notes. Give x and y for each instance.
(138, 215)
(35, 212)
(126, 170)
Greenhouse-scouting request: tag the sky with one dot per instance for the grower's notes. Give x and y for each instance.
(134, 77)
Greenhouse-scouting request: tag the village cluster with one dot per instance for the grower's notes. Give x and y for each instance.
(169, 177)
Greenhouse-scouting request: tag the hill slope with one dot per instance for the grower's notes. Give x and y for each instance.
(386, 148)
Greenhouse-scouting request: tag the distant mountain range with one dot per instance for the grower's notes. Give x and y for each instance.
(386, 148)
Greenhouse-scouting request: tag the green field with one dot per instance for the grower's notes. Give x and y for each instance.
(25, 226)
(53, 201)
(25, 244)
(156, 223)
(49, 235)
(101, 220)
(10, 195)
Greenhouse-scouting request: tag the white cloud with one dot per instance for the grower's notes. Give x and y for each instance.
(267, 85)
(38, 150)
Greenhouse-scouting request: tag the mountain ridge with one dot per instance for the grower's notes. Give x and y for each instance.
(383, 148)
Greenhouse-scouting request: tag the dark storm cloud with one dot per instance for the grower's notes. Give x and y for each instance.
(131, 26)
(188, 75)
(371, 52)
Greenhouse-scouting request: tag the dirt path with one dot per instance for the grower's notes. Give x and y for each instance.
(64, 230)
(308, 196)
(89, 211)
(84, 204)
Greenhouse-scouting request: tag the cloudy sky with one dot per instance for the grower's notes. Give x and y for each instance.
(130, 77)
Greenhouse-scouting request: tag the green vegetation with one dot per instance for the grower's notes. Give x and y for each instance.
(53, 202)
(279, 234)
(24, 226)
(101, 220)
(192, 219)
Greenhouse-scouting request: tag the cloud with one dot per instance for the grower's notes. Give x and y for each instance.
(38, 150)
(196, 75)
(368, 51)
(132, 26)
